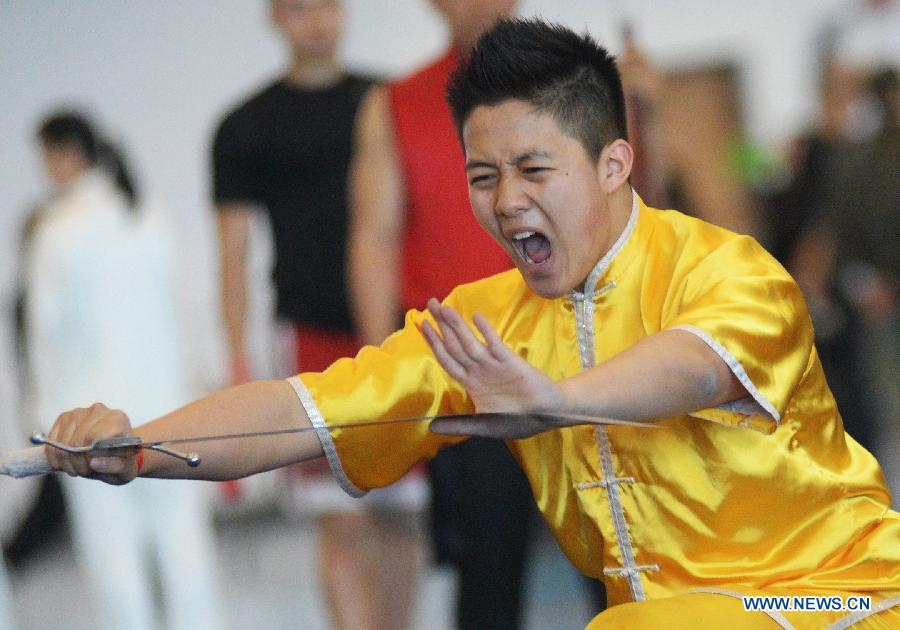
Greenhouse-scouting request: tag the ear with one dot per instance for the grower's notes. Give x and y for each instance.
(614, 165)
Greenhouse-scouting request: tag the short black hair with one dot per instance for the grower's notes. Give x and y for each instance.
(569, 76)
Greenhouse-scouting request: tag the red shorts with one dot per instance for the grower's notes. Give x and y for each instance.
(318, 348)
(313, 486)
(315, 350)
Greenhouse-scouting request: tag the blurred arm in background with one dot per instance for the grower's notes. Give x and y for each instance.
(377, 202)
(234, 229)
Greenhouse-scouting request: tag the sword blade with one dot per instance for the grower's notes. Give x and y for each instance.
(253, 434)
(501, 425)
(552, 420)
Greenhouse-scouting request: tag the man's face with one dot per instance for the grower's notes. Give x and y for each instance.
(468, 19)
(538, 193)
(310, 27)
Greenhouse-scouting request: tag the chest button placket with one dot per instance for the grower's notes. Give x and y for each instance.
(584, 324)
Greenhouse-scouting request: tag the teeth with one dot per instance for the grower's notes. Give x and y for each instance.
(522, 235)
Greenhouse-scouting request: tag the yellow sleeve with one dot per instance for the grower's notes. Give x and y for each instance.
(399, 379)
(749, 310)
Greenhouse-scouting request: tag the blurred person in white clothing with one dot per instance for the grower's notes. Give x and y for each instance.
(16, 495)
(6, 601)
(102, 316)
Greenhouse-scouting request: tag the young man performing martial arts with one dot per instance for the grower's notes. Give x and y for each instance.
(740, 480)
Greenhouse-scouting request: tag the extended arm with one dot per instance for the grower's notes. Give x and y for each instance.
(667, 374)
(377, 199)
(256, 406)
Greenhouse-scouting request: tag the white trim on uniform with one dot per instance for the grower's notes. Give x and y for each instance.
(584, 328)
(766, 408)
(775, 615)
(859, 615)
(318, 422)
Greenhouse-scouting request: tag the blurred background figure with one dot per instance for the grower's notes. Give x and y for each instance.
(16, 495)
(413, 237)
(865, 218)
(102, 319)
(642, 83)
(7, 609)
(286, 150)
(836, 223)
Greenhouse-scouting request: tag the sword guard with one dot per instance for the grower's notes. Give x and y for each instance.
(191, 459)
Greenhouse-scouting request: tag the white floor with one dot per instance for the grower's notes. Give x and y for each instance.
(263, 583)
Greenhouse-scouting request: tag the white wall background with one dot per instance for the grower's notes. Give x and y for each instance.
(159, 74)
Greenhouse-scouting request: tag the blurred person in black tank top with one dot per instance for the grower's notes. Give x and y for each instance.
(286, 150)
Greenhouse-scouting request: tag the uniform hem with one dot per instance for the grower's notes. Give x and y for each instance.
(322, 432)
(852, 618)
(775, 615)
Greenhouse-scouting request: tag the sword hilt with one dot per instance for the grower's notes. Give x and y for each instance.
(116, 447)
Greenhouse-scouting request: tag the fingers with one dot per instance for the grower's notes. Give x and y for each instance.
(82, 427)
(64, 432)
(460, 343)
(459, 351)
(459, 340)
(111, 423)
(114, 470)
(469, 344)
(447, 362)
(495, 345)
(450, 335)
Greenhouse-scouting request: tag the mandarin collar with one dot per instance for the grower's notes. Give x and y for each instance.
(604, 264)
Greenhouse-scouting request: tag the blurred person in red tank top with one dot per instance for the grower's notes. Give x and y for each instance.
(411, 221)
(412, 237)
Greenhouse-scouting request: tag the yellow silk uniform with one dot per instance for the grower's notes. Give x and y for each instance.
(763, 495)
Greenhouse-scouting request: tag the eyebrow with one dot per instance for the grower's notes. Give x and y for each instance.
(515, 161)
(524, 157)
(478, 164)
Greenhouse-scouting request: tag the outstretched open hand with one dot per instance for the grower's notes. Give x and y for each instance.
(495, 377)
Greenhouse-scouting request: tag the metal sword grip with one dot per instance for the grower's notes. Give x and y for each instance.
(100, 448)
(116, 447)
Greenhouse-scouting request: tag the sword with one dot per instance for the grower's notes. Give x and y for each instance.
(503, 425)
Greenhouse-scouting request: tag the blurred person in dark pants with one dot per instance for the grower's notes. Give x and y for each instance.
(835, 226)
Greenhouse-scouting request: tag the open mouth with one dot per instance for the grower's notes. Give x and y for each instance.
(532, 247)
